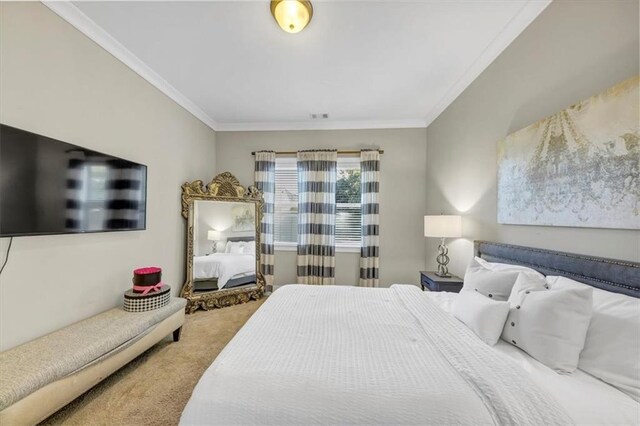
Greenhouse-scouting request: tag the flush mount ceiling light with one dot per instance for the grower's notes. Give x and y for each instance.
(292, 15)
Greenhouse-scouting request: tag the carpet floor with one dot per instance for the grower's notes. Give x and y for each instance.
(154, 388)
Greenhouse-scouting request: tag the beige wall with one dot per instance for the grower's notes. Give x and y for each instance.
(56, 82)
(402, 196)
(572, 51)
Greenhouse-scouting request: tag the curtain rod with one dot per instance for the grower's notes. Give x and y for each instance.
(381, 151)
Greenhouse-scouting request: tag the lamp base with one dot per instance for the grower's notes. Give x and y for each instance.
(443, 260)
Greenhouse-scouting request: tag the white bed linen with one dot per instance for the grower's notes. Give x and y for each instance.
(348, 355)
(223, 266)
(586, 399)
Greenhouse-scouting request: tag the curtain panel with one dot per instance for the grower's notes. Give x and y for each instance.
(369, 250)
(317, 174)
(265, 181)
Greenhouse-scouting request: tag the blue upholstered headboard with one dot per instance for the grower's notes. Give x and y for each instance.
(236, 239)
(617, 276)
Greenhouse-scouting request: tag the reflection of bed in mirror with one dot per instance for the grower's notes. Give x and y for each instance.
(226, 269)
(223, 233)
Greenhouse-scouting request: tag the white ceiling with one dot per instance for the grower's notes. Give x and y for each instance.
(368, 64)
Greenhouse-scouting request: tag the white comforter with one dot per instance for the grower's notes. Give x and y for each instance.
(223, 266)
(346, 355)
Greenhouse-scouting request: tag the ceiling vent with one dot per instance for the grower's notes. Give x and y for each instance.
(319, 116)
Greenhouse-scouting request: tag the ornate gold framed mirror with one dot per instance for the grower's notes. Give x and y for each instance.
(223, 243)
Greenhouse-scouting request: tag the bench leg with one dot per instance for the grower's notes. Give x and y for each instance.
(176, 334)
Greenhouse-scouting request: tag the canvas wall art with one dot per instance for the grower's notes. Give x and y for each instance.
(244, 218)
(579, 167)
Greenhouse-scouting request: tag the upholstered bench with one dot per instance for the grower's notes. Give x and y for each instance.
(41, 376)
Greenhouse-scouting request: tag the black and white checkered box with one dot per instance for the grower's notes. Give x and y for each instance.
(138, 302)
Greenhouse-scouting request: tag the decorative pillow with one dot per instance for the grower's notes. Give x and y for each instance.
(612, 347)
(523, 286)
(234, 247)
(494, 284)
(549, 323)
(484, 316)
(249, 247)
(236, 250)
(507, 267)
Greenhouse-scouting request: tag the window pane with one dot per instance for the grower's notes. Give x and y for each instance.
(348, 208)
(286, 201)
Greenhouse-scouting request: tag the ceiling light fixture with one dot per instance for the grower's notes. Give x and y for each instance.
(292, 15)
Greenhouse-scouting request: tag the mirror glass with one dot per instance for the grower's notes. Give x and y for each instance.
(224, 245)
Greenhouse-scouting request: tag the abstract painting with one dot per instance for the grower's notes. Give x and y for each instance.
(579, 167)
(244, 218)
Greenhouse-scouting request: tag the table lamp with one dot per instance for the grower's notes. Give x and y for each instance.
(214, 236)
(443, 226)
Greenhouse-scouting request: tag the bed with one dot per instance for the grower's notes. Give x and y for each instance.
(224, 270)
(349, 355)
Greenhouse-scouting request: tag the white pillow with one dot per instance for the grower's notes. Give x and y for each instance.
(234, 247)
(524, 285)
(236, 250)
(494, 284)
(550, 324)
(484, 316)
(612, 347)
(249, 247)
(507, 267)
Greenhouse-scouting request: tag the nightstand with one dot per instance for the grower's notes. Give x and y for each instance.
(431, 281)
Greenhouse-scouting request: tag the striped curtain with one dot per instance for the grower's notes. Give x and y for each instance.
(265, 181)
(317, 173)
(370, 185)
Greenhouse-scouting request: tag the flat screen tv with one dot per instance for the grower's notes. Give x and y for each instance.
(53, 187)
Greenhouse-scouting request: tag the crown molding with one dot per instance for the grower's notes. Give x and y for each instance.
(321, 125)
(513, 29)
(70, 13)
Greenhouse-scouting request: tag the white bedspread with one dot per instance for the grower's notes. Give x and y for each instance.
(348, 355)
(223, 266)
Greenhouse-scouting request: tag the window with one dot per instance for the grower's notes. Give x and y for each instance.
(348, 207)
(285, 217)
(348, 203)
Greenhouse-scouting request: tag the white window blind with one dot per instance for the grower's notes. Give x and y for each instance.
(348, 207)
(285, 229)
(348, 203)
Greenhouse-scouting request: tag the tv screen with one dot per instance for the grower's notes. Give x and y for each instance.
(53, 187)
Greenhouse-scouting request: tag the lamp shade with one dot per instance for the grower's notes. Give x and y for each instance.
(214, 235)
(443, 226)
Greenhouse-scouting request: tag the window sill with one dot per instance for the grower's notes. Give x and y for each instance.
(294, 247)
(285, 247)
(348, 249)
